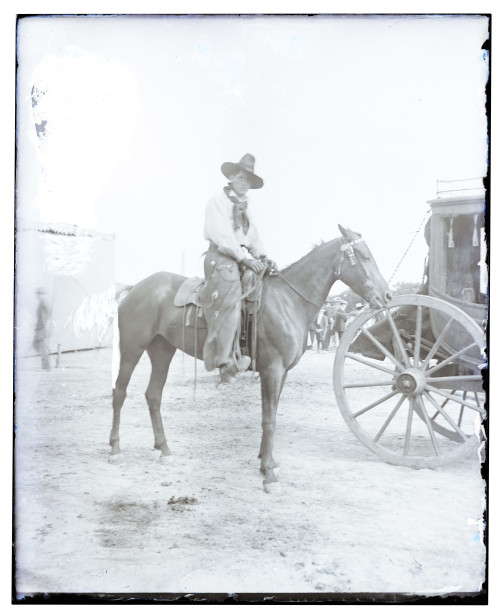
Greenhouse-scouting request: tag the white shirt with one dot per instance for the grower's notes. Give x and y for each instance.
(219, 229)
(320, 317)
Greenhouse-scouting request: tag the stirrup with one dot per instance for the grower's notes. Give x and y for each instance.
(243, 363)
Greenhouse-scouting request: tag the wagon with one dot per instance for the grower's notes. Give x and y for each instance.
(408, 377)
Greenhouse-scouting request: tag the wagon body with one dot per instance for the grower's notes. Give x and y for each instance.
(456, 268)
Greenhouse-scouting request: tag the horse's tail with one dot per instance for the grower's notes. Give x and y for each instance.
(122, 292)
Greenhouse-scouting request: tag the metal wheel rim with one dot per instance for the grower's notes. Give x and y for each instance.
(462, 449)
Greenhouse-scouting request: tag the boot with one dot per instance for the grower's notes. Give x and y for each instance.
(226, 374)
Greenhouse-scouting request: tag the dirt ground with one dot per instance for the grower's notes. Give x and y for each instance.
(344, 521)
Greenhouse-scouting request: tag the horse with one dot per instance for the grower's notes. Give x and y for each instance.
(149, 321)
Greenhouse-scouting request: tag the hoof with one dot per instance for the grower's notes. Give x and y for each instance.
(117, 458)
(165, 460)
(273, 487)
(225, 384)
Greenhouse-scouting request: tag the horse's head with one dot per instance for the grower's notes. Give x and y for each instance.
(357, 269)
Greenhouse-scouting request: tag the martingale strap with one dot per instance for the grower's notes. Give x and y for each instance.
(294, 288)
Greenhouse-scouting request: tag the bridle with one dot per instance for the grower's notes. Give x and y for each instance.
(347, 250)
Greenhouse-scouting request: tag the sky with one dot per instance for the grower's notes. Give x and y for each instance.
(352, 120)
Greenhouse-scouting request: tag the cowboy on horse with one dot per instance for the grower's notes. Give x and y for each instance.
(235, 255)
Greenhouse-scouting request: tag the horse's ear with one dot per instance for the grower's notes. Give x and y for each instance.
(348, 234)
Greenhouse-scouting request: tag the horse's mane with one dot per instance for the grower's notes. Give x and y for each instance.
(314, 247)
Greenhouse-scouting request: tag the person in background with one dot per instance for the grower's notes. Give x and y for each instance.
(354, 312)
(321, 329)
(235, 253)
(40, 342)
(330, 313)
(341, 320)
(312, 333)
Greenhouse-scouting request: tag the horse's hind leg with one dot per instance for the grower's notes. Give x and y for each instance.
(128, 362)
(160, 352)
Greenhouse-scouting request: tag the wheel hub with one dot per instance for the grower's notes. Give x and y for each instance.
(410, 382)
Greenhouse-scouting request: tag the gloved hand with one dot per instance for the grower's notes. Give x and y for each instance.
(255, 265)
(272, 265)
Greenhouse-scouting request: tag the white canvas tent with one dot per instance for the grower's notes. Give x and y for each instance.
(76, 268)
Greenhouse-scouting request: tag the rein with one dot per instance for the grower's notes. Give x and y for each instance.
(294, 288)
(346, 250)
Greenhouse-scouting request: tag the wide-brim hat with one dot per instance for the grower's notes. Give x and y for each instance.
(247, 163)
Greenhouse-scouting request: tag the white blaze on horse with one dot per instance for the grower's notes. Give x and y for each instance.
(148, 320)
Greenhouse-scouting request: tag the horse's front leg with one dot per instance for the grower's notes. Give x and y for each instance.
(274, 464)
(272, 380)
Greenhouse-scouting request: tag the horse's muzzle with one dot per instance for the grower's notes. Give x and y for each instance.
(375, 300)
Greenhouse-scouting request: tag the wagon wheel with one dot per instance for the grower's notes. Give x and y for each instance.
(401, 393)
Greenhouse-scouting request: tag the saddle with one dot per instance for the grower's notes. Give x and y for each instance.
(188, 296)
(188, 292)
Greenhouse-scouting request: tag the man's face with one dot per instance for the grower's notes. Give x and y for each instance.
(240, 182)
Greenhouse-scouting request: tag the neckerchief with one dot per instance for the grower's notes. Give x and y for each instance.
(240, 217)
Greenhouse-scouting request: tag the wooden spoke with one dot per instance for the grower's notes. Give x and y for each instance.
(442, 406)
(408, 427)
(445, 394)
(460, 379)
(429, 425)
(382, 348)
(389, 418)
(367, 362)
(464, 396)
(389, 426)
(426, 346)
(446, 416)
(450, 359)
(418, 337)
(437, 344)
(397, 338)
(369, 384)
(376, 403)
